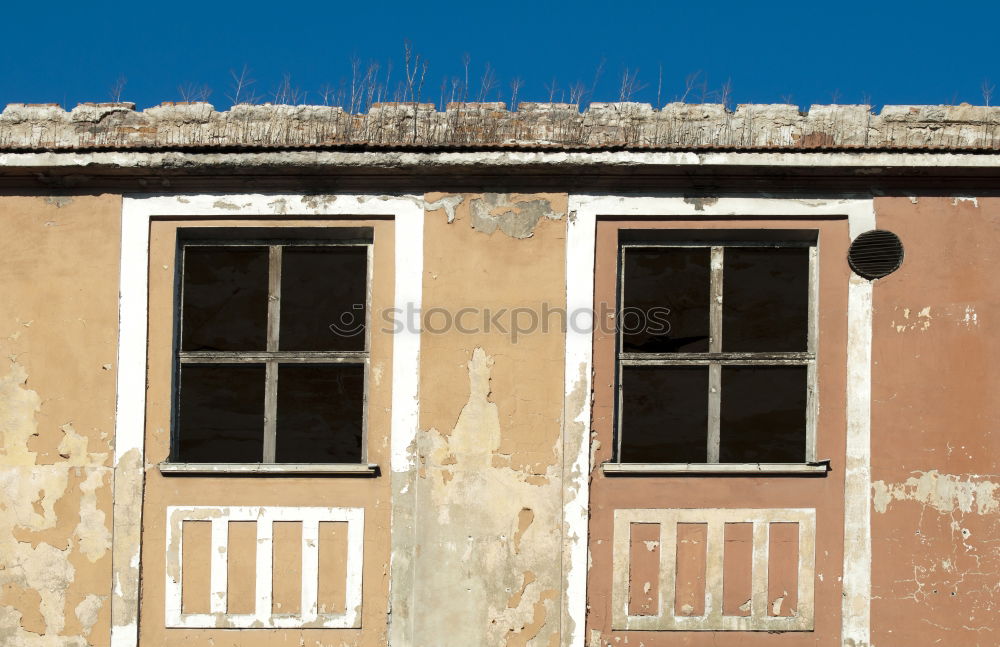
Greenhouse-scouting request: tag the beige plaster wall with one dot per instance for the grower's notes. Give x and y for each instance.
(488, 529)
(58, 345)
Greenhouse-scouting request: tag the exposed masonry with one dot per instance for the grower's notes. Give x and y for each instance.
(485, 125)
(516, 218)
(480, 503)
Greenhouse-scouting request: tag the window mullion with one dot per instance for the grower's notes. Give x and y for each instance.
(715, 346)
(619, 376)
(274, 298)
(715, 302)
(714, 410)
(273, 332)
(270, 411)
(812, 399)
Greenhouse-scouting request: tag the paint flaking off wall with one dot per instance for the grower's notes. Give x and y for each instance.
(493, 521)
(946, 493)
(36, 544)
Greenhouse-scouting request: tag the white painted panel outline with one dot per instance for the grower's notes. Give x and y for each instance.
(407, 212)
(584, 212)
(263, 616)
(713, 619)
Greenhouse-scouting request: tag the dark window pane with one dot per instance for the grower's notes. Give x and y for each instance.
(664, 414)
(320, 413)
(765, 299)
(763, 414)
(665, 300)
(225, 298)
(221, 414)
(323, 298)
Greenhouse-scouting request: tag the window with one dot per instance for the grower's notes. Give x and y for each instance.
(273, 347)
(716, 347)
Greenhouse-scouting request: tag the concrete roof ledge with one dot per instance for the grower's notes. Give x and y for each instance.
(95, 112)
(678, 110)
(468, 106)
(541, 106)
(622, 107)
(783, 112)
(630, 125)
(404, 109)
(963, 113)
(30, 112)
(269, 112)
(195, 112)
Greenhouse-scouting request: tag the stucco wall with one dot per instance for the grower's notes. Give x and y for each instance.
(485, 532)
(58, 343)
(489, 514)
(935, 443)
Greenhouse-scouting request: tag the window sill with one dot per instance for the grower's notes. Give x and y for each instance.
(637, 469)
(269, 469)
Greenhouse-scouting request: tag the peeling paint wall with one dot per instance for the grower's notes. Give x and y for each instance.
(58, 340)
(489, 484)
(935, 440)
(477, 553)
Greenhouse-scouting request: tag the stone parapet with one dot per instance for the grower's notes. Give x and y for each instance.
(676, 126)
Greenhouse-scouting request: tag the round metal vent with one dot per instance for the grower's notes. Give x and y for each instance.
(875, 254)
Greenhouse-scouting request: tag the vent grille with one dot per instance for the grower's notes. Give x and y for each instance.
(875, 254)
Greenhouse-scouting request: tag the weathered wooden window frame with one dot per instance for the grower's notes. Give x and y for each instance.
(715, 359)
(271, 358)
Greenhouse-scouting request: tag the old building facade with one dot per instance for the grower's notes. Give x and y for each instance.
(290, 376)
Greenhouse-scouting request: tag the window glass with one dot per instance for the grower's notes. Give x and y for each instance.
(672, 381)
(765, 299)
(221, 413)
(763, 415)
(320, 413)
(668, 283)
(225, 298)
(664, 414)
(243, 399)
(323, 296)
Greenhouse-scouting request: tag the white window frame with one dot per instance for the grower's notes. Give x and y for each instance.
(584, 211)
(271, 358)
(407, 213)
(715, 358)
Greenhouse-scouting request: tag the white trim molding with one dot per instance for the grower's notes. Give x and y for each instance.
(407, 211)
(266, 469)
(508, 159)
(857, 584)
(624, 469)
(585, 210)
(263, 616)
(712, 618)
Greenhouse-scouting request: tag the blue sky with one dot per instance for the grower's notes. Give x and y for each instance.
(803, 52)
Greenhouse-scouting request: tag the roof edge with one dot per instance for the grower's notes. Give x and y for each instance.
(491, 126)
